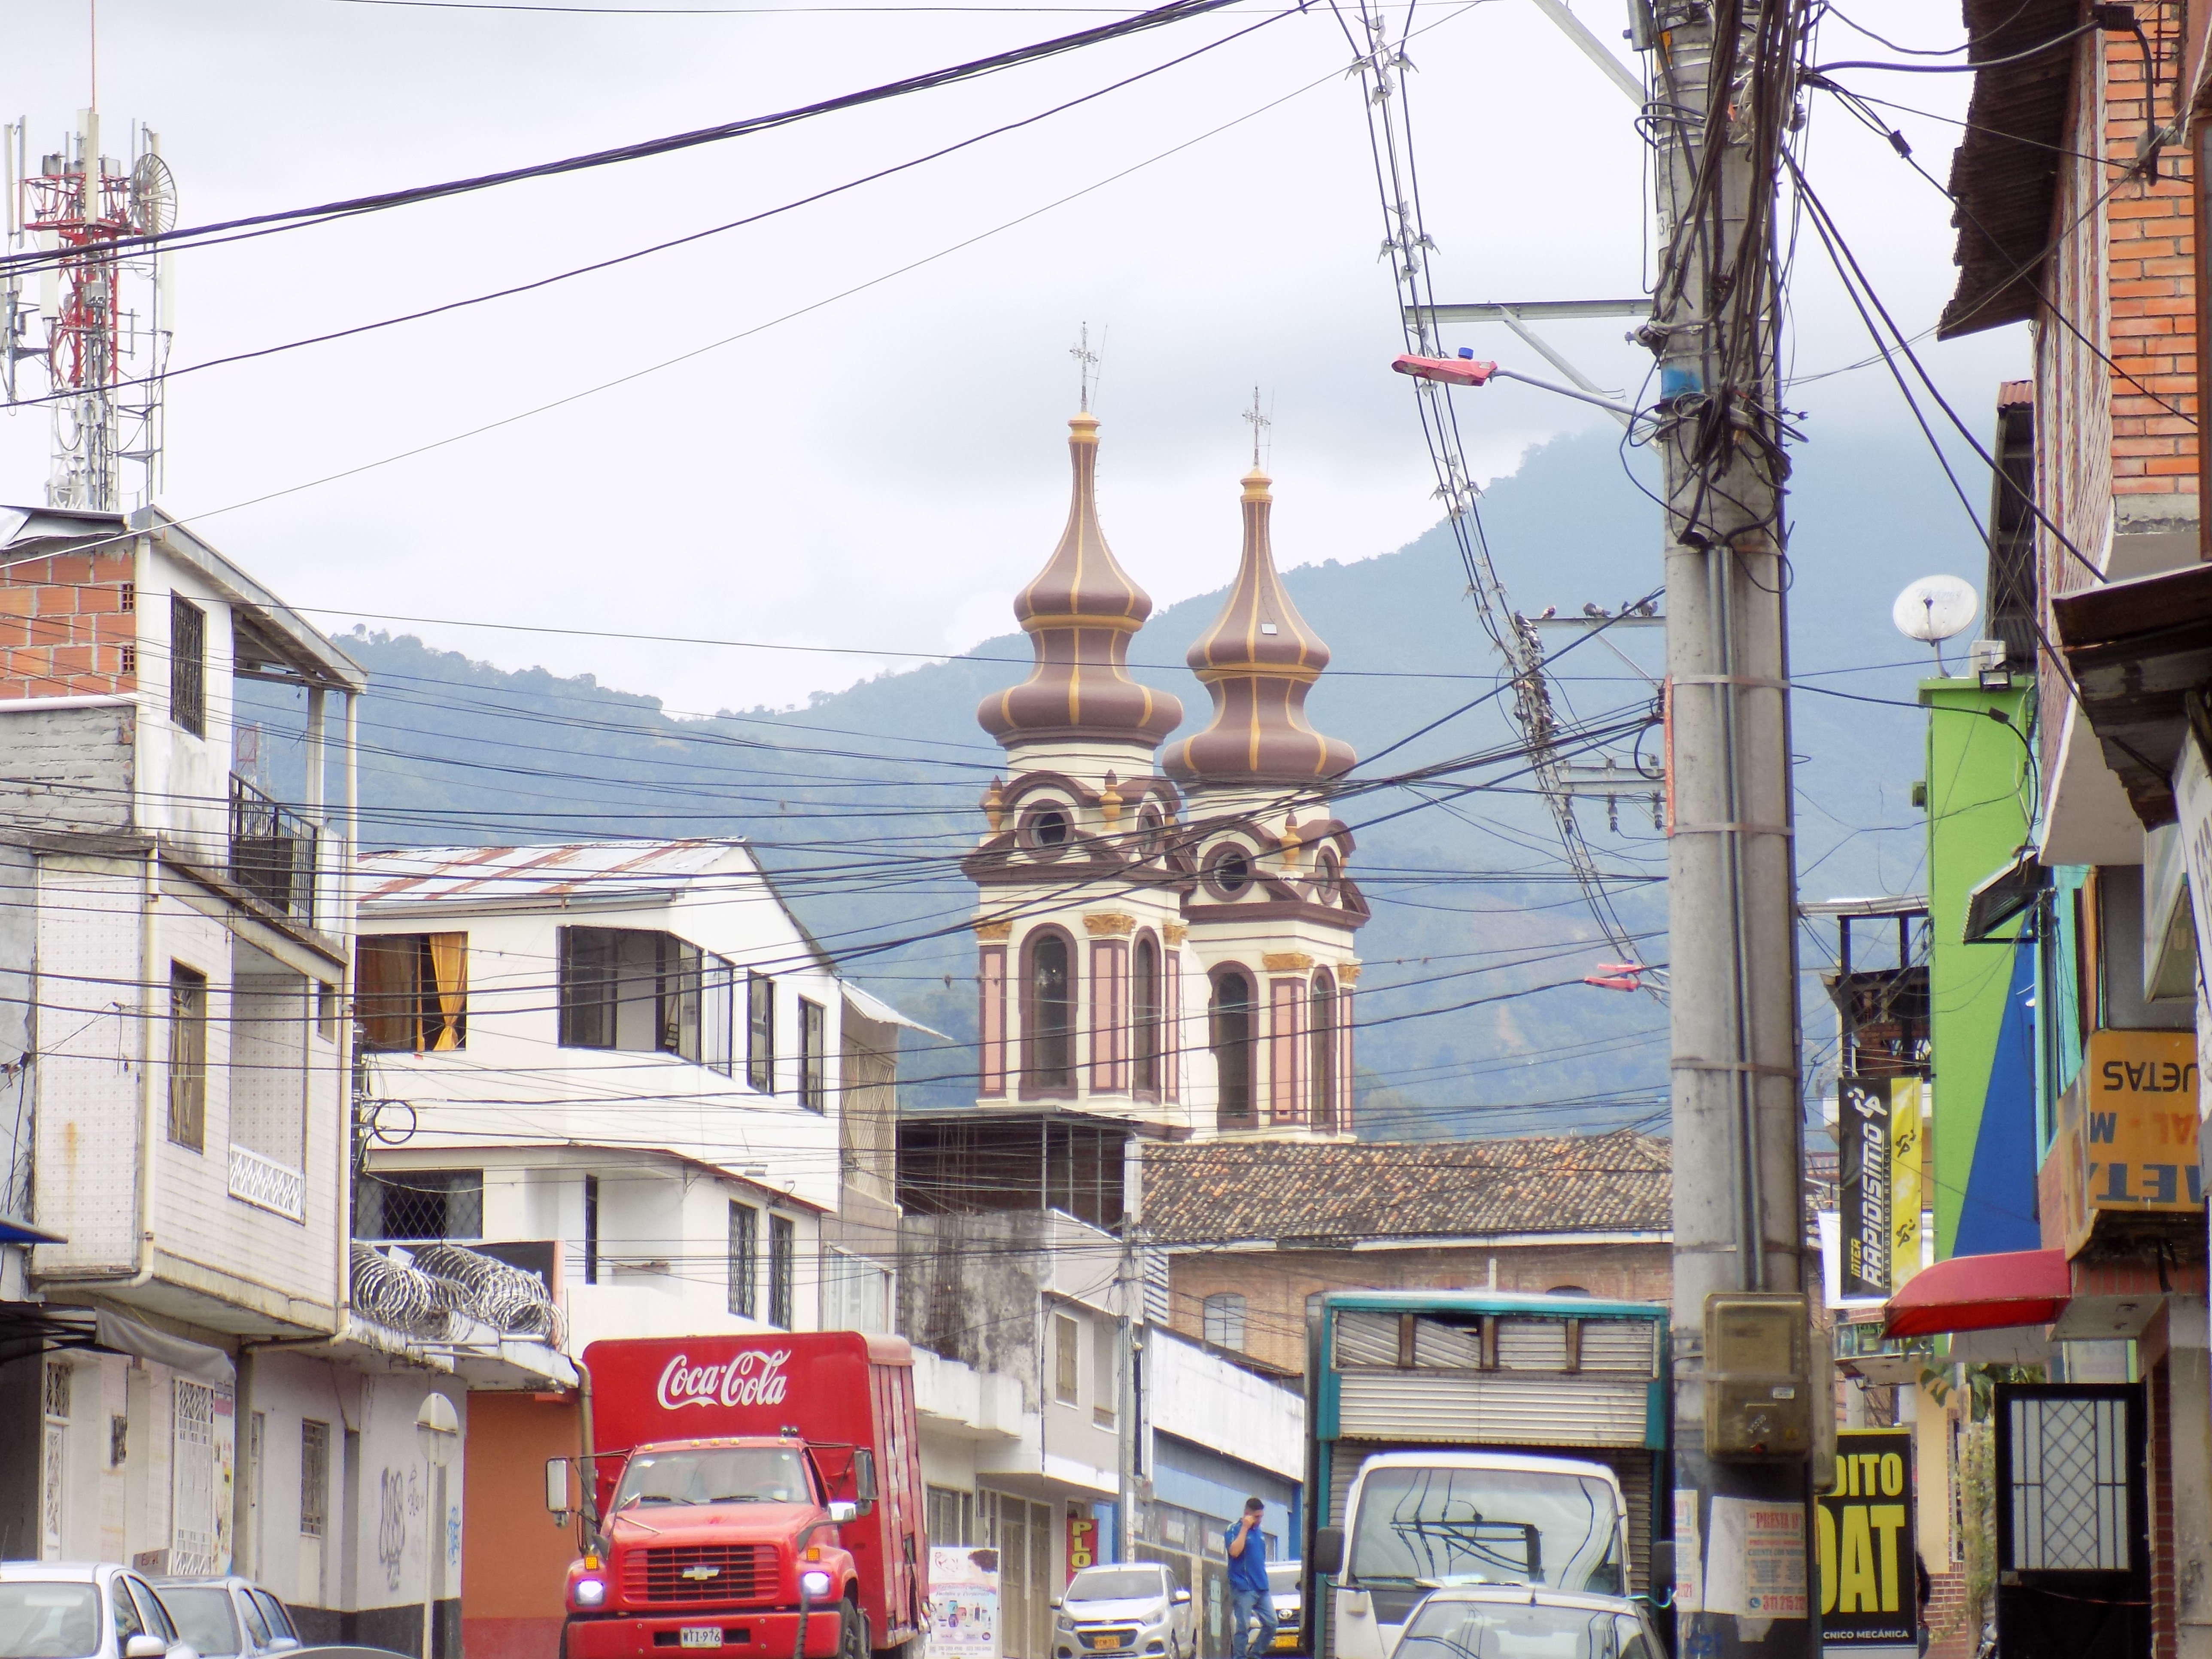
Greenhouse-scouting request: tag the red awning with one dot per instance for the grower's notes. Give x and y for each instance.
(1982, 1293)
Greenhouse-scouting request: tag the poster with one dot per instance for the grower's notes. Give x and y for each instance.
(1864, 1160)
(963, 1602)
(1082, 1544)
(1906, 1188)
(1869, 1583)
(1689, 1553)
(1756, 1560)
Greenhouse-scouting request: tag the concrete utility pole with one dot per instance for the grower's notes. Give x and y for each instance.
(1724, 88)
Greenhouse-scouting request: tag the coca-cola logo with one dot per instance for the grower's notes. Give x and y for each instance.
(754, 1377)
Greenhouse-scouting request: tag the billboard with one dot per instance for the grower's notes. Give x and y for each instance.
(1869, 1572)
(1864, 1198)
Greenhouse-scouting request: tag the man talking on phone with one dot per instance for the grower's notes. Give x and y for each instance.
(1248, 1594)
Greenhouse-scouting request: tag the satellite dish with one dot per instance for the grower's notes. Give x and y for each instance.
(1936, 608)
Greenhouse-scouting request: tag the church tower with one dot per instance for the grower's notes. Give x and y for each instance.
(1081, 947)
(1272, 912)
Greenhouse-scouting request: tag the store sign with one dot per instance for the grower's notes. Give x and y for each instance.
(1869, 1584)
(1907, 1188)
(1081, 1543)
(1863, 1141)
(2127, 1131)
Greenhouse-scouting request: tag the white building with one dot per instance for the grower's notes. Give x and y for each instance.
(184, 1381)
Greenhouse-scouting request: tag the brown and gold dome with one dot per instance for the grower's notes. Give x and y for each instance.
(1259, 660)
(1080, 613)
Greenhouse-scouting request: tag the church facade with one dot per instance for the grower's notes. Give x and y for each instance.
(1165, 936)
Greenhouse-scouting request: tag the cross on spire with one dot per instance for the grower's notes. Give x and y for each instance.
(1259, 424)
(1086, 362)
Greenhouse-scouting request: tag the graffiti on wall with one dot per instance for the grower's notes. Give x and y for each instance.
(399, 1496)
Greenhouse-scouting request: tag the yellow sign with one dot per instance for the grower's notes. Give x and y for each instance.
(1907, 1139)
(2127, 1130)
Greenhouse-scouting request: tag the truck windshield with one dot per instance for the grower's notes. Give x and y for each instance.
(715, 1474)
(1441, 1526)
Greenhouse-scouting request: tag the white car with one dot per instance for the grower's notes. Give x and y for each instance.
(81, 1610)
(1502, 1621)
(226, 1617)
(1136, 1609)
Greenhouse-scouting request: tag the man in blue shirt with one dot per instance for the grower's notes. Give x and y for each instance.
(1248, 1594)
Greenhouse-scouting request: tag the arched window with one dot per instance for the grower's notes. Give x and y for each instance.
(1232, 1047)
(1328, 879)
(1049, 1012)
(1144, 1015)
(1321, 1052)
(1224, 1320)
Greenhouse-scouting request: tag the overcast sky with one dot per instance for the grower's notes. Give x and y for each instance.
(884, 471)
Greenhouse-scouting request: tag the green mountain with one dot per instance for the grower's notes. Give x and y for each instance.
(863, 802)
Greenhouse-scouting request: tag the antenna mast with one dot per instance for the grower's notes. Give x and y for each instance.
(103, 332)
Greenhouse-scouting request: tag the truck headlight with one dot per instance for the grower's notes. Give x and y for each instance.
(590, 1592)
(815, 1586)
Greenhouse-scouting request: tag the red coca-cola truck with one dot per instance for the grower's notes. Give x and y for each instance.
(759, 1495)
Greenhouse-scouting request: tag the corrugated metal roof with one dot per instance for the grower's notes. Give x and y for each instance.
(2005, 175)
(2135, 650)
(599, 869)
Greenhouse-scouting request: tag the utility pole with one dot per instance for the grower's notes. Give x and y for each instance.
(1722, 97)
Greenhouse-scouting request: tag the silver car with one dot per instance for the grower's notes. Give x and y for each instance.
(83, 1610)
(226, 1617)
(1134, 1610)
(1502, 1621)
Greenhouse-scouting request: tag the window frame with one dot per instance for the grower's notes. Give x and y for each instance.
(1067, 1360)
(760, 1031)
(412, 996)
(591, 1230)
(1229, 1311)
(188, 1061)
(1040, 1080)
(187, 666)
(813, 1056)
(314, 1460)
(1321, 1053)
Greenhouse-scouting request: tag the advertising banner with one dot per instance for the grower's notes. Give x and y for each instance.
(1906, 1191)
(963, 1602)
(1863, 1145)
(1869, 1581)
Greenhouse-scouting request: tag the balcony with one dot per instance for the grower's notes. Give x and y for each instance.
(272, 852)
(266, 1184)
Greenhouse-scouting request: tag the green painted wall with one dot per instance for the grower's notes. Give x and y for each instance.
(1978, 807)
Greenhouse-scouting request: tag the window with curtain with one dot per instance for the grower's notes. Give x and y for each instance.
(1049, 1012)
(188, 664)
(813, 1056)
(782, 1270)
(1224, 1320)
(188, 1026)
(760, 1032)
(413, 993)
(1145, 1016)
(745, 1259)
(1321, 1052)
(635, 989)
(1233, 1049)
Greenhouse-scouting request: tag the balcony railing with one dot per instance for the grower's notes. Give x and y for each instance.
(272, 852)
(266, 1184)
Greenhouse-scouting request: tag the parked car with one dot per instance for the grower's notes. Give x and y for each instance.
(1135, 1609)
(226, 1617)
(1283, 1578)
(83, 1610)
(1508, 1621)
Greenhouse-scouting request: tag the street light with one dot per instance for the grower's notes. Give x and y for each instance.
(437, 1430)
(1467, 369)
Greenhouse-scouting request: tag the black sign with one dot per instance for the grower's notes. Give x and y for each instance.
(1862, 1145)
(1869, 1575)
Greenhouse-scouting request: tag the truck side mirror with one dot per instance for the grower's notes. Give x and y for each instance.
(864, 1474)
(556, 1487)
(1328, 1550)
(842, 1511)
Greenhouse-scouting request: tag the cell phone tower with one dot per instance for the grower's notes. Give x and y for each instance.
(102, 330)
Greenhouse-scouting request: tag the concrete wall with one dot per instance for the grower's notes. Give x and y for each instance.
(518, 1558)
(69, 768)
(1199, 1397)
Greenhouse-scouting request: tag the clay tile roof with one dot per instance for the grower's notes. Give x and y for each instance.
(1258, 660)
(1221, 1192)
(1080, 612)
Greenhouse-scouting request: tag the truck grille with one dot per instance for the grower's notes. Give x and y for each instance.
(699, 1574)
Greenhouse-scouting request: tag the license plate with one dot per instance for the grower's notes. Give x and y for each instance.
(1105, 1644)
(699, 1636)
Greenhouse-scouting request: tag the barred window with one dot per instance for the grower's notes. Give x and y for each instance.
(314, 1478)
(188, 664)
(745, 1259)
(426, 1204)
(782, 1265)
(760, 1032)
(813, 1057)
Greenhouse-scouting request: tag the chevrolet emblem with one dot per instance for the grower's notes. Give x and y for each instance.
(703, 1571)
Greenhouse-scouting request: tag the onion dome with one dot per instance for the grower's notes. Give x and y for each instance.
(1080, 613)
(1259, 660)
